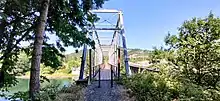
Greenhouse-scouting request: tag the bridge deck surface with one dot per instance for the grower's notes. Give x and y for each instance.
(105, 73)
(106, 92)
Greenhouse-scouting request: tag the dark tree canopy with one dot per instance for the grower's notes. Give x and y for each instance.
(18, 19)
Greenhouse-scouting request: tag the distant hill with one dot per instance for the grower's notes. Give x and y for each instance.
(75, 55)
(132, 53)
(135, 53)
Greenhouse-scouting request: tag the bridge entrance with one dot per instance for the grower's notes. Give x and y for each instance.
(103, 62)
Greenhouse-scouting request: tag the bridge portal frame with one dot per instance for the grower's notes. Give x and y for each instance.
(119, 32)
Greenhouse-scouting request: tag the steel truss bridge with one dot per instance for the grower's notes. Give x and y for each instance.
(103, 62)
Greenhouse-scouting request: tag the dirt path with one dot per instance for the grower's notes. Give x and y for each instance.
(105, 92)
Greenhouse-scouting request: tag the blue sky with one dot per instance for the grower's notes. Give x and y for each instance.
(147, 22)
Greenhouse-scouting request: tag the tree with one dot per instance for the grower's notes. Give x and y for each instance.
(197, 49)
(16, 24)
(62, 22)
(34, 84)
(66, 20)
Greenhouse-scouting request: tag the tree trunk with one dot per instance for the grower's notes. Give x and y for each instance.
(34, 84)
(3, 25)
(2, 71)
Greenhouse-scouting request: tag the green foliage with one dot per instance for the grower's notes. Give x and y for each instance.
(150, 87)
(73, 63)
(71, 93)
(189, 68)
(15, 26)
(137, 55)
(163, 87)
(63, 71)
(70, 61)
(48, 93)
(53, 93)
(52, 56)
(18, 20)
(197, 51)
(23, 64)
(46, 69)
(19, 95)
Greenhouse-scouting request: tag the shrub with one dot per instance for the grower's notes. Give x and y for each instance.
(71, 93)
(53, 93)
(157, 87)
(150, 87)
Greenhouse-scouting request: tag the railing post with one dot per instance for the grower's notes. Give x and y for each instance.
(111, 76)
(99, 77)
(90, 64)
(119, 65)
(93, 63)
(83, 61)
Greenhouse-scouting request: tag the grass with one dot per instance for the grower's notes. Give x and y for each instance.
(71, 93)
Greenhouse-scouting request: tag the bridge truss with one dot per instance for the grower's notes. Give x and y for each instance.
(109, 37)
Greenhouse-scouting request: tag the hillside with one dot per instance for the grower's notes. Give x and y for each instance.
(132, 53)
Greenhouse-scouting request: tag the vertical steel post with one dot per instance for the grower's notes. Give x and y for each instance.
(90, 64)
(99, 77)
(111, 76)
(83, 60)
(127, 67)
(119, 65)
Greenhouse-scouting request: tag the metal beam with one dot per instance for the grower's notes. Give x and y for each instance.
(99, 25)
(127, 67)
(83, 61)
(118, 32)
(117, 26)
(104, 11)
(114, 29)
(97, 37)
(105, 37)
